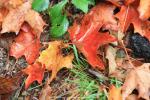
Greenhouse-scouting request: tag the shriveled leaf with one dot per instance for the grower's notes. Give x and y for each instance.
(26, 44)
(82, 4)
(53, 58)
(59, 20)
(144, 9)
(111, 56)
(138, 78)
(35, 72)
(15, 18)
(128, 15)
(114, 93)
(40, 5)
(8, 85)
(86, 36)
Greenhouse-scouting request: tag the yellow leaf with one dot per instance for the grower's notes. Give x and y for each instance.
(53, 59)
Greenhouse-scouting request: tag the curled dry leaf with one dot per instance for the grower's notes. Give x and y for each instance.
(114, 93)
(8, 85)
(35, 73)
(128, 15)
(53, 58)
(26, 44)
(137, 78)
(86, 36)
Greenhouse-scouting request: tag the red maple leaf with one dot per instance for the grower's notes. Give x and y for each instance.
(26, 44)
(128, 15)
(86, 35)
(35, 72)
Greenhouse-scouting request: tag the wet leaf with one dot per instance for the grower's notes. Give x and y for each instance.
(26, 44)
(128, 15)
(86, 36)
(35, 72)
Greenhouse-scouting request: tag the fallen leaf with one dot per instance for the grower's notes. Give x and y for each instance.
(35, 73)
(114, 93)
(53, 59)
(35, 21)
(26, 44)
(128, 15)
(137, 78)
(15, 18)
(144, 9)
(111, 56)
(19, 14)
(86, 36)
(45, 93)
(8, 85)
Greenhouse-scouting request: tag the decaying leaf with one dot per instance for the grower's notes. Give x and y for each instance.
(111, 56)
(53, 58)
(86, 36)
(35, 73)
(8, 85)
(114, 93)
(26, 44)
(138, 78)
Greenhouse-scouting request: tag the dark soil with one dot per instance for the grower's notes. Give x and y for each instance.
(140, 46)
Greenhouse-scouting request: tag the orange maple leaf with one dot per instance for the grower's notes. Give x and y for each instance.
(35, 73)
(26, 44)
(128, 15)
(86, 36)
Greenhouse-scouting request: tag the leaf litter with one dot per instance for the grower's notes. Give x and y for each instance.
(103, 44)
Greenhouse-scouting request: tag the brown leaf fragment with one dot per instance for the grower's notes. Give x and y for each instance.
(15, 18)
(8, 85)
(111, 55)
(138, 78)
(45, 93)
